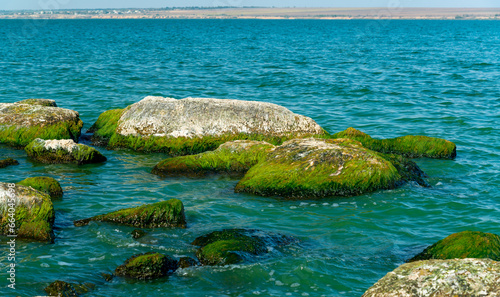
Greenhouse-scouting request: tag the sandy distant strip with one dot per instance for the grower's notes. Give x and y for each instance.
(265, 13)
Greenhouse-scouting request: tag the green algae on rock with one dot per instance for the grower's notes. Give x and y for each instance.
(195, 125)
(22, 123)
(41, 102)
(408, 146)
(147, 266)
(466, 244)
(64, 289)
(138, 233)
(63, 151)
(168, 213)
(33, 212)
(185, 262)
(229, 246)
(44, 184)
(440, 278)
(230, 157)
(8, 162)
(312, 168)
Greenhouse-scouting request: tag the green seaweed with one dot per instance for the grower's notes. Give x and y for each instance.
(64, 289)
(466, 244)
(105, 126)
(83, 154)
(162, 214)
(8, 162)
(147, 266)
(408, 146)
(44, 184)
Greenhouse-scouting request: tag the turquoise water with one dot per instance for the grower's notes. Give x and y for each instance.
(386, 78)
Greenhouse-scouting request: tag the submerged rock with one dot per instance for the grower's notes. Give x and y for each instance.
(162, 214)
(408, 146)
(230, 157)
(64, 289)
(138, 233)
(41, 102)
(308, 168)
(466, 244)
(33, 212)
(8, 162)
(186, 262)
(194, 125)
(147, 266)
(230, 246)
(62, 151)
(22, 123)
(440, 278)
(44, 184)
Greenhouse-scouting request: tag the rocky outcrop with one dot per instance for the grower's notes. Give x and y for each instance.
(162, 214)
(466, 244)
(63, 151)
(8, 162)
(231, 157)
(308, 168)
(230, 246)
(21, 123)
(440, 278)
(64, 289)
(408, 146)
(41, 102)
(194, 125)
(147, 266)
(44, 184)
(26, 212)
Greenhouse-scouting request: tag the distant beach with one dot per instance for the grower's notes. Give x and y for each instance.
(395, 13)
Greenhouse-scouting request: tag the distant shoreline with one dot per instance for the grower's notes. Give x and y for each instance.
(265, 13)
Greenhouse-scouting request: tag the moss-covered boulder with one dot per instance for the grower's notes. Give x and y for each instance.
(440, 278)
(195, 125)
(408, 146)
(20, 124)
(26, 212)
(41, 102)
(231, 158)
(466, 244)
(309, 168)
(44, 184)
(8, 162)
(147, 266)
(64, 289)
(168, 213)
(63, 151)
(231, 246)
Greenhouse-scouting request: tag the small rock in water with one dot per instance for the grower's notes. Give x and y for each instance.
(138, 233)
(8, 162)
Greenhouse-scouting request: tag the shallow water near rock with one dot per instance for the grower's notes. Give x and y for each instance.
(387, 79)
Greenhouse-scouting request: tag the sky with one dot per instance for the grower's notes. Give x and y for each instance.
(75, 4)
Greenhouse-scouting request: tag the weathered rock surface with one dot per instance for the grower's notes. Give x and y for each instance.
(44, 184)
(230, 246)
(64, 289)
(41, 102)
(466, 244)
(22, 123)
(168, 213)
(63, 151)
(8, 162)
(147, 266)
(194, 125)
(33, 211)
(230, 157)
(310, 167)
(440, 278)
(408, 146)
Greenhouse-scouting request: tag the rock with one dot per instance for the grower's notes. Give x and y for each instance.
(162, 214)
(147, 266)
(41, 102)
(138, 233)
(195, 125)
(8, 162)
(22, 123)
(230, 158)
(440, 278)
(62, 151)
(107, 277)
(34, 213)
(229, 246)
(408, 146)
(310, 168)
(44, 184)
(64, 289)
(466, 244)
(186, 262)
